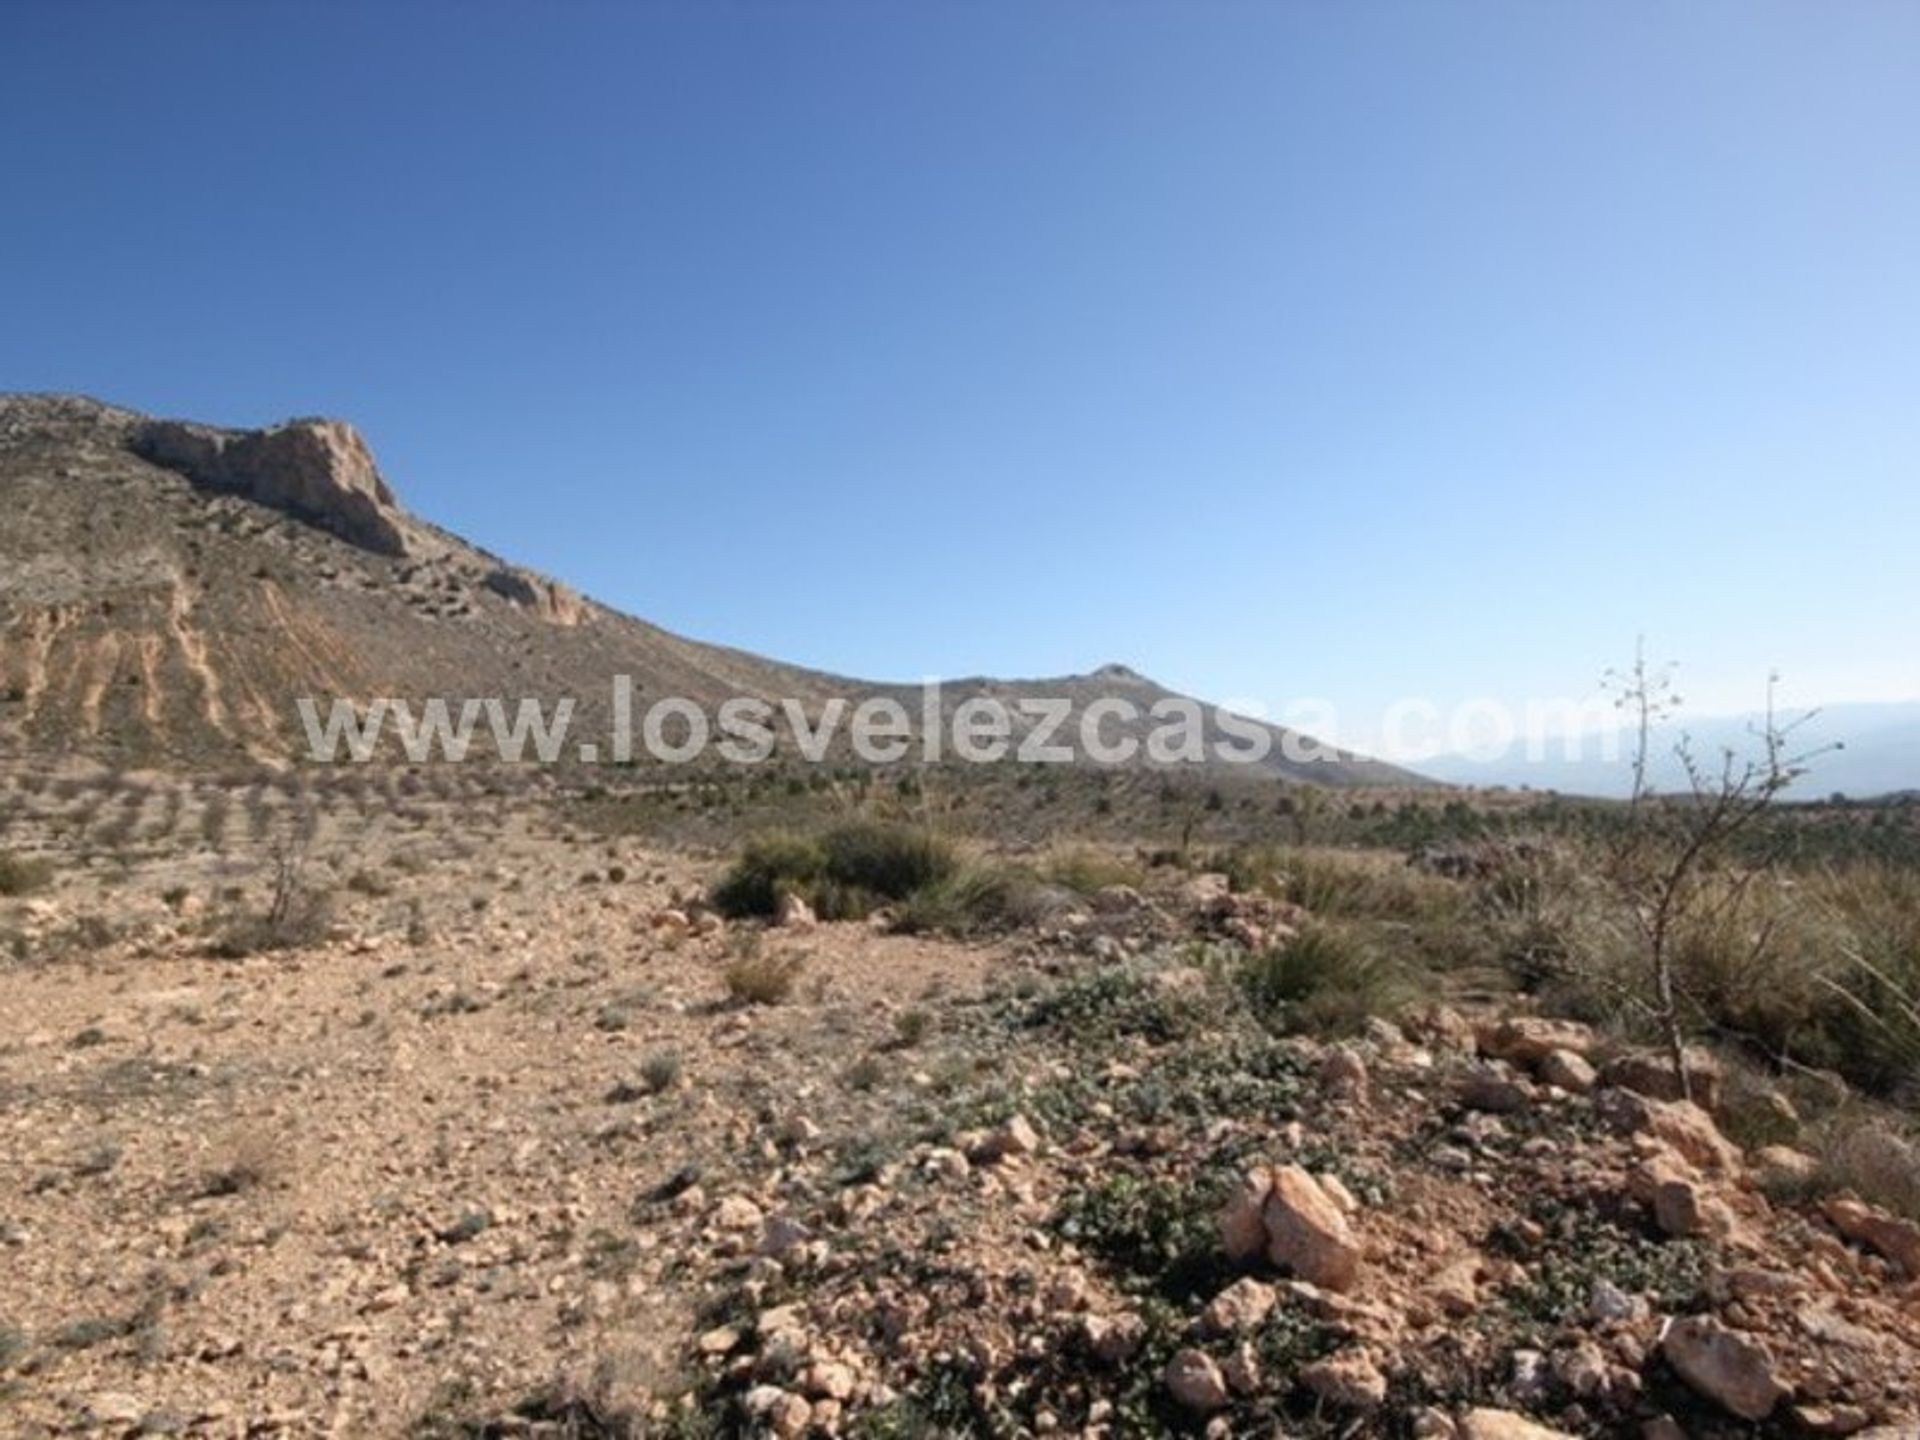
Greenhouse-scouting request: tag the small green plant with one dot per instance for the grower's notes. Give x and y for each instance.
(1161, 1232)
(1119, 1001)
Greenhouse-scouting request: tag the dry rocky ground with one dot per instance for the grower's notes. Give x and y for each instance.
(505, 1148)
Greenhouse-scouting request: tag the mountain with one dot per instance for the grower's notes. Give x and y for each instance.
(1867, 750)
(169, 591)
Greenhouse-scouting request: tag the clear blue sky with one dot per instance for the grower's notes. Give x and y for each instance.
(1350, 350)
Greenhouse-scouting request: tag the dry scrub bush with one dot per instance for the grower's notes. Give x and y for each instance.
(757, 977)
(22, 874)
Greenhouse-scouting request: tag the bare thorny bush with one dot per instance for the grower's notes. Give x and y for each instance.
(1673, 863)
(297, 912)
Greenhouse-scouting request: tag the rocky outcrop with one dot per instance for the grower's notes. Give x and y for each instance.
(318, 470)
(549, 599)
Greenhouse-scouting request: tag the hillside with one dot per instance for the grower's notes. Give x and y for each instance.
(169, 590)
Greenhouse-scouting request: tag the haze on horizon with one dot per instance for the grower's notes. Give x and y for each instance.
(1359, 353)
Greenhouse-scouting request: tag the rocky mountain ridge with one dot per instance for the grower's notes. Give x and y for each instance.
(170, 589)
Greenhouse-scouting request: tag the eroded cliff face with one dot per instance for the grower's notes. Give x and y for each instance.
(319, 470)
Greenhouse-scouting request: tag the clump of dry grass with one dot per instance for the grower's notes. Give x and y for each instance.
(1327, 980)
(660, 1071)
(1086, 870)
(763, 977)
(1341, 884)
(1869, 1155)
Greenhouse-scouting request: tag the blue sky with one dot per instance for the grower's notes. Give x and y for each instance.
(1357, 351)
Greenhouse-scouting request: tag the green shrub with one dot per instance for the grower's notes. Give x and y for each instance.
(22, 874)
(889, 860)
(1162, 1232)
(769, 867)
(843, 874)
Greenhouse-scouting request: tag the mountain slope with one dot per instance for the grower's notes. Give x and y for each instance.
(1859, 750)
(169, 591)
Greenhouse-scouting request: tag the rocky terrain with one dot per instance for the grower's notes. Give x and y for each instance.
(475, 1101)
(170, 590)
(518, 1136)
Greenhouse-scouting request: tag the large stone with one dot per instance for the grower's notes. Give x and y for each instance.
(1306, 1231)
(1729, 1368)
(317, 470)
(1115, 1339)
(1485, 1424)
(1682, 1204)
(1241, 1306)
(1243, 1227)
(1682, 1126)
(1349, 1379)
(1013, 1137)
(1195, 1381)
(794, 913)
(1783, 1167)
(1898, 1240)
(1494, 1089)
(1529, 1039)
(1567, 1069)
(1652, 1074)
